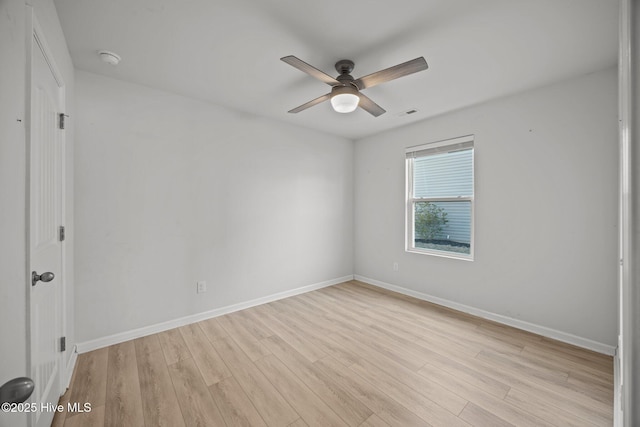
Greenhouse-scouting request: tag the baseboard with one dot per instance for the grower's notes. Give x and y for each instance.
(509, 321)
(182, 321)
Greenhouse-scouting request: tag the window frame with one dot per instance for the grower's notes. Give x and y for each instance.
(442, 146)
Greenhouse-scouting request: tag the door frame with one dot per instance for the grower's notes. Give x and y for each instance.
(35, 34)
(627, 361)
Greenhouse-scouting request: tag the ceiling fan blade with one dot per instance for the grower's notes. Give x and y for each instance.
(369, 106)
(310, 69)
(311, 103)
(392, 73)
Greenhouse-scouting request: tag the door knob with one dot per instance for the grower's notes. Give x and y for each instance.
(44, 277)
(16, 390)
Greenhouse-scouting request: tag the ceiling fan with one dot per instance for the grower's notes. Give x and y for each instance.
(345, 92)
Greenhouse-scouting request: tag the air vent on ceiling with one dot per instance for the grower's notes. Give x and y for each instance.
(408, 112)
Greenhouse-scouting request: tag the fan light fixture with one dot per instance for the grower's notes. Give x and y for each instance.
(345, 92)
(344, 99)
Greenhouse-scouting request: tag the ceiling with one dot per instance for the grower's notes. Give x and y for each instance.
(228, 52)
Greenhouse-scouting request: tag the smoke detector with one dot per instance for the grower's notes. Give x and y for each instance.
(109, 57)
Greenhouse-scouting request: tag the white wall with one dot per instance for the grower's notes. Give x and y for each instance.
(14, 285)
(13, 294)
(546, 208)
(170, 191)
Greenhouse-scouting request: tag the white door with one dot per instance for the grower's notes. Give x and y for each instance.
(46, 150)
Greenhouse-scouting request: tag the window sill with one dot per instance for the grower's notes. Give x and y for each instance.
(451, 255)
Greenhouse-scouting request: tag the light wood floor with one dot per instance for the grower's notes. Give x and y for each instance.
(350, 354)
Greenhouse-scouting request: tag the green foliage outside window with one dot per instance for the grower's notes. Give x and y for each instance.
(429, 221)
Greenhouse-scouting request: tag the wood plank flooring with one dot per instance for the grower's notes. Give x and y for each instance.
(346, 355)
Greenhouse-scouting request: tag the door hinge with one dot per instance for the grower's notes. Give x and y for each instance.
(61, 233)
(63, 343)
(61, 117)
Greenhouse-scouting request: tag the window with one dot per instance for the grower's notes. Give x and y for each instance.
(440, 198)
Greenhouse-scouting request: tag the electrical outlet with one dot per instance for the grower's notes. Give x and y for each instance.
(202, 287)
(395, 266)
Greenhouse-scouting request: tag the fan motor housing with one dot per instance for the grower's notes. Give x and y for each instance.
(345, 79)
